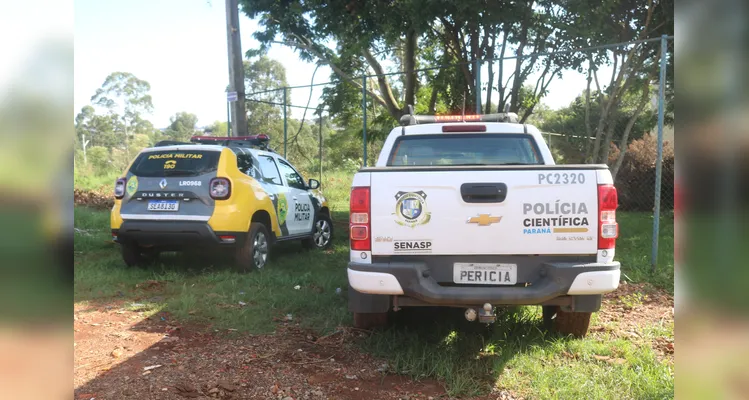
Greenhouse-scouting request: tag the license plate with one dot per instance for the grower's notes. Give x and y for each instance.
(163, 205)
(485, 273)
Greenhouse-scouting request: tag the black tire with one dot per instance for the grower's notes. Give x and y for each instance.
(135, 256)
(370, 321)
(323, 225)
(255, 251)
(566, 323)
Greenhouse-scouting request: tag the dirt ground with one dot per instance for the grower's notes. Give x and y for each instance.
(121, 354)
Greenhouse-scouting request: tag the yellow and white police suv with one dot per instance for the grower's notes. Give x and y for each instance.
(472, 212)
(230, 193)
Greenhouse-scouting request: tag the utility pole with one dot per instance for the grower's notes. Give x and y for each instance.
(236, 70)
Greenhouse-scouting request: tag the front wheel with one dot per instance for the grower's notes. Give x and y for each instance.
(253, 254)
(322, 236)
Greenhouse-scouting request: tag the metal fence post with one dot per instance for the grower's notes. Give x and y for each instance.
(364, 116)
(284, 122)
(228, 119)
(659, 158)
(478, 86)
(320, 140)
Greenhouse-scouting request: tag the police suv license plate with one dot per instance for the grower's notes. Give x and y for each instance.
(163, 205)
(485, 273)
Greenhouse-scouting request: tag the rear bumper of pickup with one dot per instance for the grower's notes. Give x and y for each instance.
(552, 280)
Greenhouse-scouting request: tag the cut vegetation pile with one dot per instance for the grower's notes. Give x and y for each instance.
(95, 198)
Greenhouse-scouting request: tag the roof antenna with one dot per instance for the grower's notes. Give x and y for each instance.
(463, 118)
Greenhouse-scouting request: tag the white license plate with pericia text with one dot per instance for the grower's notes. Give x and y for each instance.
(163, 205)
(485, 273)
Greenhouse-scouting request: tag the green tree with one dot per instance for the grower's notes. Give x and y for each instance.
(127, 98)
(407, 33)
(99, 130)
(635, 67)
(182, 126)
(219, 128)
(630, 121)
(98, 158)
(268, 76)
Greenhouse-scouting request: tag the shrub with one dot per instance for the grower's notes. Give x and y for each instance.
(635, 180)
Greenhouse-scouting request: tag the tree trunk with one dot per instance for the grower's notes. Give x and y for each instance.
(500, 84)
(523, 41)
(515, 94)
(588, 143)
(392, 105)
(490, 78)
(410, 64)
(433, 100)
(625, 137)
(605, 107)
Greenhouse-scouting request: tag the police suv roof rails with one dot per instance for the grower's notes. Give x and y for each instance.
(412, 119)
(254, 141)
(171, 143)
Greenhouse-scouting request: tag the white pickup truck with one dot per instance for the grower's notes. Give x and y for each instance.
(472, 212)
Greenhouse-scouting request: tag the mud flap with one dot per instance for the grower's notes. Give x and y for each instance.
(586, 303)
(367, 303)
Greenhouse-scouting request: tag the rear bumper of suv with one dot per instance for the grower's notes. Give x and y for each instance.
(550, 280)
(174, 234)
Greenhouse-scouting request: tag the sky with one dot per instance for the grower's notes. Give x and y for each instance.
(180, 48)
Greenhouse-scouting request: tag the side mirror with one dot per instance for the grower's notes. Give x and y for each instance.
(314, 184)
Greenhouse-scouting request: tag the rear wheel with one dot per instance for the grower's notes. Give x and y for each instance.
(370, 320)
(566, 323)
(134, 255)
(322, 235)
(253, 254)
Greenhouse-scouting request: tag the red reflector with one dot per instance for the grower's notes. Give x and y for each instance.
(464, 128)
(224, 237)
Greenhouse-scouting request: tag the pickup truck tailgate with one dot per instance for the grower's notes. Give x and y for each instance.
(501, 211)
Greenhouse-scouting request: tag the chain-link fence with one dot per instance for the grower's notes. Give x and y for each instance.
(609, 104)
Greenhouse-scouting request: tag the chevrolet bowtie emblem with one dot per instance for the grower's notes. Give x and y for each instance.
(483, 219)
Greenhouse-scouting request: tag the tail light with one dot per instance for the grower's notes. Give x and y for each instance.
(359, 208)
(119, 188)
(220, 188)
(608, 229)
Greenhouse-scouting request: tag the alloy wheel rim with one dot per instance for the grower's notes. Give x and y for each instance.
(260, 250)
(322, 233)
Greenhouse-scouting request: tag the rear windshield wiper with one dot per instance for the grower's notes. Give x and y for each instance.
(465, 164)
(180, 173)
(516, 163)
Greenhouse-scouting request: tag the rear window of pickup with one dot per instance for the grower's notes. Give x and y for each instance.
(465, 149)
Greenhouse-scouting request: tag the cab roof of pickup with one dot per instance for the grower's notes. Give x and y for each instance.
(500, 123)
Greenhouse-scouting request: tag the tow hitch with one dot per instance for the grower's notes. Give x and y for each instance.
(486, 315)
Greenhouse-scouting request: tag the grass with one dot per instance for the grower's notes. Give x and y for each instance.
(93, 182)
(514, 354)
(633, 249)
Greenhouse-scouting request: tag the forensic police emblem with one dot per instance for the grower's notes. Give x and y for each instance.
(410, 209)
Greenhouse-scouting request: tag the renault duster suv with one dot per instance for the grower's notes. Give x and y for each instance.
(224, 193)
